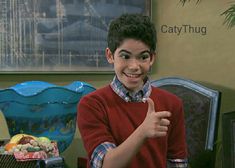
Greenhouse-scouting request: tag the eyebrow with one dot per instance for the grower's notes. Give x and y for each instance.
(123, 50)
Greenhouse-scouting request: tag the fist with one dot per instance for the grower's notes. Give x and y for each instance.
(155, 123)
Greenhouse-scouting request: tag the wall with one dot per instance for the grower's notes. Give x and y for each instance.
(207, 58)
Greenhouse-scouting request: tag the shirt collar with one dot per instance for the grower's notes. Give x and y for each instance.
(128, 96)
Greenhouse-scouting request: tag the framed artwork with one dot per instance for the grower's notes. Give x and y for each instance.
(228, 139)
(59, 35)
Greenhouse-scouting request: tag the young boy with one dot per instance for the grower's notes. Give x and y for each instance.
(129, 123)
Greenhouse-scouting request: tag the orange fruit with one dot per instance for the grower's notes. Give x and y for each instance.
(9, 146)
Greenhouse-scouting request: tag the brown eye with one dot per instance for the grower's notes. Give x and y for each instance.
(144, 56)
(124, 56)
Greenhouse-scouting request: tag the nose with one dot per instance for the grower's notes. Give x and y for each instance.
(134, 64)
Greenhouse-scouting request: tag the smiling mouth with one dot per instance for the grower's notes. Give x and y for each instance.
(133, 75)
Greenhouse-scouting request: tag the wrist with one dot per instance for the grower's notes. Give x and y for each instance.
(141, 132)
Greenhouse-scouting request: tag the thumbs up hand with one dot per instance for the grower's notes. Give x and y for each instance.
(155, 123)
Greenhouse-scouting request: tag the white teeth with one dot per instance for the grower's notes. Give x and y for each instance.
(132, 75)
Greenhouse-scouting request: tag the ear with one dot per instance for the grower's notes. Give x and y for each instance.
(109, 56)
(153, 58)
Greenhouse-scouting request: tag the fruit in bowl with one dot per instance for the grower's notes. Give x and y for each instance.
(44, 140)
(21, 138)
(25, 143)
(9, 146)
(25, 140)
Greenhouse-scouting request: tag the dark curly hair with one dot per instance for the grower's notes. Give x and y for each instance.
(135, 26)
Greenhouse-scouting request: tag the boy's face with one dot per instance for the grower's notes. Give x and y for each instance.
(132, 61)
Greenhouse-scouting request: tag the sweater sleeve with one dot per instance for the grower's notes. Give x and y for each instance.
(93, 123)
(177, 148)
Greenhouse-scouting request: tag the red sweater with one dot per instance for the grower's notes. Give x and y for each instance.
(105, 117)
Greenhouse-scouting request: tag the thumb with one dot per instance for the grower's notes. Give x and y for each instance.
(151, 107)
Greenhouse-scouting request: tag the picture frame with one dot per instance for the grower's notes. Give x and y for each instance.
(59, 36)
(228, 139)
